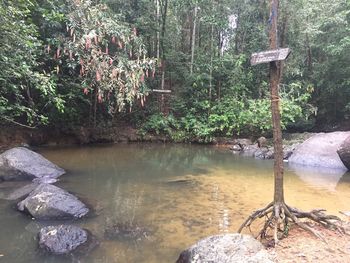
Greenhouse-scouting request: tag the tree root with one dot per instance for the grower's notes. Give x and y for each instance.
(278, 217)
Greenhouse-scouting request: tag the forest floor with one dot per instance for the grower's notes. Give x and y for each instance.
(301, 247)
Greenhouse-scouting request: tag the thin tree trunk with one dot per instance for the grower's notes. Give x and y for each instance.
(158, 34)
(275, 108)
(164, 10)
(211, 64)
(193, 38)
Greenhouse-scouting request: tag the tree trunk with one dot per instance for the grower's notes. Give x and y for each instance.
(193, 39)
(275, 108)
(158, 34)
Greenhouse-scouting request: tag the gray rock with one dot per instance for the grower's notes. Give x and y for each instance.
(344, 152)
(262, 142)
(320, 151)
(288, 151)
(261, 153)
(226, 248)
(48, 202)
(250, 150)
(62, 239)
(21, 163)
(235, 148)
(21, 192)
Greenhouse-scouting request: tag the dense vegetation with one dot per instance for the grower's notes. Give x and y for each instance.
(96, 63)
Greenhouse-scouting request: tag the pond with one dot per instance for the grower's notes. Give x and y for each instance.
(177, 193)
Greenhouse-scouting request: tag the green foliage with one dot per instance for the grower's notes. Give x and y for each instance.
(27, 91)
(82, 62)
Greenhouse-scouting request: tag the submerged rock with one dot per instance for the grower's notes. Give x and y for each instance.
(48, 202)
(226, 248)
(21, 163)
(62, 239)
(320, 151)
(126, 231)
(344, 152)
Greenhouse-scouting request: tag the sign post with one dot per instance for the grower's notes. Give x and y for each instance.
(269, 56)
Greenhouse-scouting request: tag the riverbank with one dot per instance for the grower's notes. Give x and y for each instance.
(301, 247)
(12, 136)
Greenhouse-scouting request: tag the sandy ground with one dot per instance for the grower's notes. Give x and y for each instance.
(300, 247)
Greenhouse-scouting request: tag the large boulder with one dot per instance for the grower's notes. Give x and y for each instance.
(21, 163)
(344, 152)
(62, 239)
(320, 151)
(48, 202)
(226, 248)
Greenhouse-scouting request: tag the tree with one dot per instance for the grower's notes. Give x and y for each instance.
(110, 56)
(27, 91)
(278, 213)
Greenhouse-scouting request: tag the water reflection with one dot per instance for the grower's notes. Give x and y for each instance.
(318, 176)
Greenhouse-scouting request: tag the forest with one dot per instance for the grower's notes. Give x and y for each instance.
(176, 68)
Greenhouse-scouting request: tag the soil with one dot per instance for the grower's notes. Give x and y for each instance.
(301, 246)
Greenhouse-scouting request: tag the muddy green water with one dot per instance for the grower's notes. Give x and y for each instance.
(178, 193)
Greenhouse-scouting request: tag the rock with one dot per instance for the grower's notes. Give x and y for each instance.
(62, 239)
(125, 231)
(270, 154)
(288, 151)
(344, 152)
(320, 151)
(226, 248)
(261, 153)
(21, 192)
(242, 142)
(250, 150)
(21, 163)
(48, 202)
(262, 142)
(235, 148)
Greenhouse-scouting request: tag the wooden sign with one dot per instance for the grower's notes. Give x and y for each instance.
(161, 90)
(269, 56)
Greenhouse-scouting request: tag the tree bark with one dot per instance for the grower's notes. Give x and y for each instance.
(275, 108)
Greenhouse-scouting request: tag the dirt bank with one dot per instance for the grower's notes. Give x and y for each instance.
(301, 247)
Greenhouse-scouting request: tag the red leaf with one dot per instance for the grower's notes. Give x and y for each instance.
(98, 76)
(113, 39)
(86, 91)
(142, 78)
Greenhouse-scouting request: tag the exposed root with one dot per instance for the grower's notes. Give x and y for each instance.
(278, 217)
